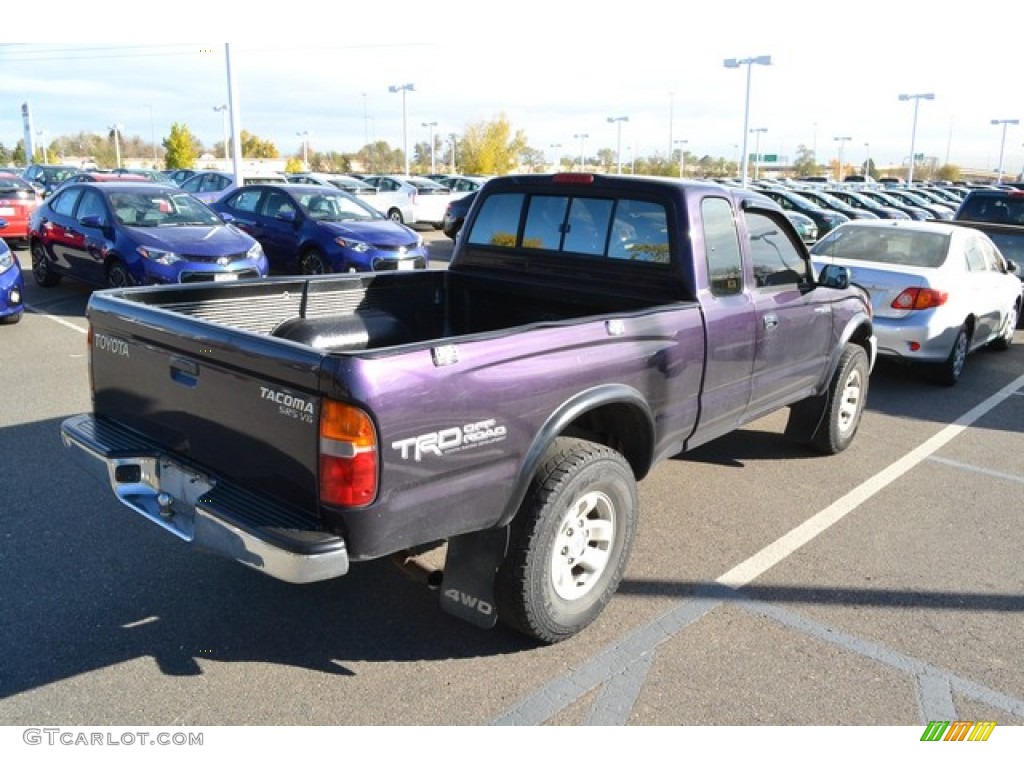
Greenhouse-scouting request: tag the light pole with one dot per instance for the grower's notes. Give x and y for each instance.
(152, 132)
(304, 135)
(618, 144)
(556, 162)
(1002, 145)
(223, 109)
(867, 160)
(42, 144)
(581, 137)
(913, 131)
(842, 141)
(403, 89)
(757, 152)
(431, 125)
(736, 64)
(453, 138)
(682, 156)
(116, 129)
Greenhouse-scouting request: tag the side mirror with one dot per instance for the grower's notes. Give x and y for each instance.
(3, 223)
(94, 221)
(227, 218)
(286, 215)
(1011, 266)
(834, 276)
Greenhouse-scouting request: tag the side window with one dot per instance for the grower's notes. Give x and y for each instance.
(192, 184)
(65, 202)
(775, 259)
(497, 223)
(975, 256)
(277, 203)
(245, 201)
(722, 247)
(92, 205)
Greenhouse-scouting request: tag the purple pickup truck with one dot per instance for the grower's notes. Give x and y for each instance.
(499, 413)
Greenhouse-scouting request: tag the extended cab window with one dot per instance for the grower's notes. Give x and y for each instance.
(722, 247)
(775, 259)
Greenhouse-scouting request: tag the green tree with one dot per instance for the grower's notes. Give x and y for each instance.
(255, 147)
(490, 147)
(378, 157)
(606, 159)
(805, 163)
(180, 147)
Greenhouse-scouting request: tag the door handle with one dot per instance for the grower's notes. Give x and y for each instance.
(770, 321)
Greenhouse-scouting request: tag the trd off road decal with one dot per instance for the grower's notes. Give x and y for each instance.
(451, 440)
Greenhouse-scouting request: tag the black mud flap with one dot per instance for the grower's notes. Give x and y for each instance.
(473, 559)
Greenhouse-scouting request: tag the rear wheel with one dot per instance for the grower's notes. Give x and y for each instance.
(396, 215)
(41, 269)
(948, 373)
(569, 542)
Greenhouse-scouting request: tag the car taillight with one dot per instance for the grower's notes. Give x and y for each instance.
(919, 298)
(348, 456)
(573, 178)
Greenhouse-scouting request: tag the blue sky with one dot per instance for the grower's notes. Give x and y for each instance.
(554, 69)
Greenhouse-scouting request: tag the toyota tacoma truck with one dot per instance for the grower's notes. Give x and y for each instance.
(498, 413)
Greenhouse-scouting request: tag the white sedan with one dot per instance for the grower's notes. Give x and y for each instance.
(939, 291)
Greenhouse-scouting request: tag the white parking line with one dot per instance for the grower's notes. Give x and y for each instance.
(778, 550)
(58, 320)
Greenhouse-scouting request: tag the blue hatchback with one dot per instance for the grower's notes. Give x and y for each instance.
(117, 234)
(12, 284)
(312, 229)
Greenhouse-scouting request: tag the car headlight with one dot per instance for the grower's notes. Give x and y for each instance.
(255, 252)
(159, 256)
(356, 245)
(6, 261)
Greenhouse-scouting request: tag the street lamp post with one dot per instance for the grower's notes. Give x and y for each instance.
(757, 152)
(304, 135)
(618, 144)
(581, 137)
(431, 125)
(223, 109)
(556, 162)
(42, 144)
(736, 64)
(916, 97)
(453, 138)
(867, 159)
(1002, 145)
(682, 156)
(116, 129)
(403, 89)
(842, 142)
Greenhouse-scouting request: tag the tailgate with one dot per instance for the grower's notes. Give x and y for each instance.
(239, 406)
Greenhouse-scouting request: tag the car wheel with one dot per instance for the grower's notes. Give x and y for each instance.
(41, 269)
(570, 541)
(948, 373)
(118, 276)
(1005, 340)
(396, 215)
(847, 396)
(11, 319)
(313, 263)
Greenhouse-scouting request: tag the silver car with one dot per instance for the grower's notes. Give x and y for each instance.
(939, 291)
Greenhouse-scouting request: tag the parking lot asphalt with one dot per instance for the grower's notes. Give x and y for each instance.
(768, 586)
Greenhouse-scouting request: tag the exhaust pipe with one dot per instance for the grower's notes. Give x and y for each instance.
(418, 570)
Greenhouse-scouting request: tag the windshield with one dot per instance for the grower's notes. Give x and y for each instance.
(160, 209)
(885, 246)
(336, 206)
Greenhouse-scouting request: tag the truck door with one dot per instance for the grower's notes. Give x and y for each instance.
(793, 326)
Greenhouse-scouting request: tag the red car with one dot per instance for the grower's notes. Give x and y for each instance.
(18, 199)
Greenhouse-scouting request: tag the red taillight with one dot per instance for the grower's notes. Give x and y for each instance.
(919, 298)
(348, 456)
(573, 178)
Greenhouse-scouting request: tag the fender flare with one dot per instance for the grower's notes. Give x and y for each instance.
(640, 455)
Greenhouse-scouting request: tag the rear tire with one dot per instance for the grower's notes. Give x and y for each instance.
(570, 541)
(41, 269)
(948, 373)
(396, 215)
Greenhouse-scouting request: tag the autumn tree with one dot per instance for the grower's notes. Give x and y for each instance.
(180, 147)
(379, 157)
(490, 148)
(255, 147)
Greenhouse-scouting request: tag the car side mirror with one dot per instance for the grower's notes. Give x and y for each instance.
(834, 276)
(92, 220)
(286, 216)
(227, 218)
(1011, 266)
